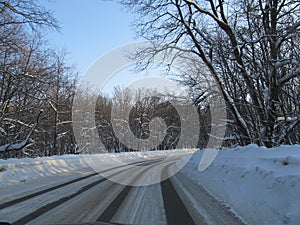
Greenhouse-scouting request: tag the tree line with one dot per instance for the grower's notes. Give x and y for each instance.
(36, 84)
(249, 49)
(136, 111)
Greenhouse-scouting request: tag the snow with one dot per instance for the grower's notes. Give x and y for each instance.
(18, 171)
(133, 213)
(260, 185)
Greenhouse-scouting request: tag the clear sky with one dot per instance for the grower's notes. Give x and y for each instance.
(90, 28)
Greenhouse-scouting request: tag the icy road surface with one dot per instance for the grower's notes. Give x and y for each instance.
(251, 185)
(78, 196)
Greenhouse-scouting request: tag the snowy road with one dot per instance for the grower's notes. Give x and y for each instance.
(91, 198)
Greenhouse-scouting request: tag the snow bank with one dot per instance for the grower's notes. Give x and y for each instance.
(16, 171)
(261, 185)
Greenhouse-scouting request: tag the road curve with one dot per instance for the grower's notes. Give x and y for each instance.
(175, 201)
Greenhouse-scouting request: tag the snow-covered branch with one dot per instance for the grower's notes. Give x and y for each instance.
(24, 143)
(289, 76)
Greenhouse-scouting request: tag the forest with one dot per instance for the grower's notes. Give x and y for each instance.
(250, 48)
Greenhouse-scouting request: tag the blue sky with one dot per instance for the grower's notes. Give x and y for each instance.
(90, 28)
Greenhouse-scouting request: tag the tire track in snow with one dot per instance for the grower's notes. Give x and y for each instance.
(60, 201)
(35, 194)
(114, 206)
(176, 212)
(26, 197)
(202, 205)
(54, 204)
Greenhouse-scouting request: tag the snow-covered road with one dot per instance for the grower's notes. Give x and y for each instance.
(255, 184)
(89, 197)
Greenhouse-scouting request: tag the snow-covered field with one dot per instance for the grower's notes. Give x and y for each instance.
(261, 185)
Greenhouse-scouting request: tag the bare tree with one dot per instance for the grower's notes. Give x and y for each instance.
(26, 12)
(21, 145)
(251, 49)
(128, 121)
(32, 79)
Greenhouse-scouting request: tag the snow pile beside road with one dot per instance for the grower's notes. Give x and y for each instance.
(262, 185)
(16, 171)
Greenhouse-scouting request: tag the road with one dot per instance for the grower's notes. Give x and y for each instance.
(94, 198)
